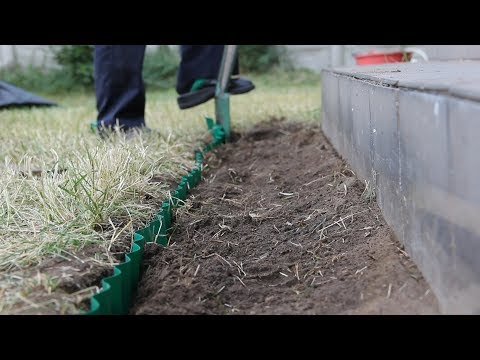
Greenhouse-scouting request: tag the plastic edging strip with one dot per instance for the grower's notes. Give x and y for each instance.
(118, 290)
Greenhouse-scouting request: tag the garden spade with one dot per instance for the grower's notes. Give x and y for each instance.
(222, 98)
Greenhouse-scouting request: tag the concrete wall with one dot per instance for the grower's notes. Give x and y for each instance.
(421, 151)
(452, 52)
(315, 57)
(25, 55)
(37, 55)
(318, 57)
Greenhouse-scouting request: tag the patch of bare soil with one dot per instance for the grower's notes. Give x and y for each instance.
(281, 226)
(62, 283)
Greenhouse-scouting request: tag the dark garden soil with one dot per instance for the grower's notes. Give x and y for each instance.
(63, 284)
(281, 225)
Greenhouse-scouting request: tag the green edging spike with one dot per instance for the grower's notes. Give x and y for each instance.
(166, 213)
(199, 157)
(161, 238)
(210, 123)
(93, 127)
(176, 198)
(191, 181)
(112, 299)
(116, 295)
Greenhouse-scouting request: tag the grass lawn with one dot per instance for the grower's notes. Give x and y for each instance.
(64, 191)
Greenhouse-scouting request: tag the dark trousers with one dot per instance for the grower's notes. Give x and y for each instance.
(119, 86)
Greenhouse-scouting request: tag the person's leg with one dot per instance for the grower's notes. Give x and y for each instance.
(199, 62)
(119, 87)
(198, 72)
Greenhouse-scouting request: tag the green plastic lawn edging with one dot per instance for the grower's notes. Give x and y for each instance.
(118, 290)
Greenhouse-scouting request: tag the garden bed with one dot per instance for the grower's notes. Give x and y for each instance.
(281, 225)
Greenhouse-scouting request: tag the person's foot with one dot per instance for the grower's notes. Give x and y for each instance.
(240, 85)
(204, 89)
(129, 132)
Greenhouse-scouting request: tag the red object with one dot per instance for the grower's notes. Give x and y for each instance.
(378, 57)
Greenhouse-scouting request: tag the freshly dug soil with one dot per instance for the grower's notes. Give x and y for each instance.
(281, 226)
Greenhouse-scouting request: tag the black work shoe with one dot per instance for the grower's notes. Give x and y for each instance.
(204, 90)
(130, 132)
(240, 86)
